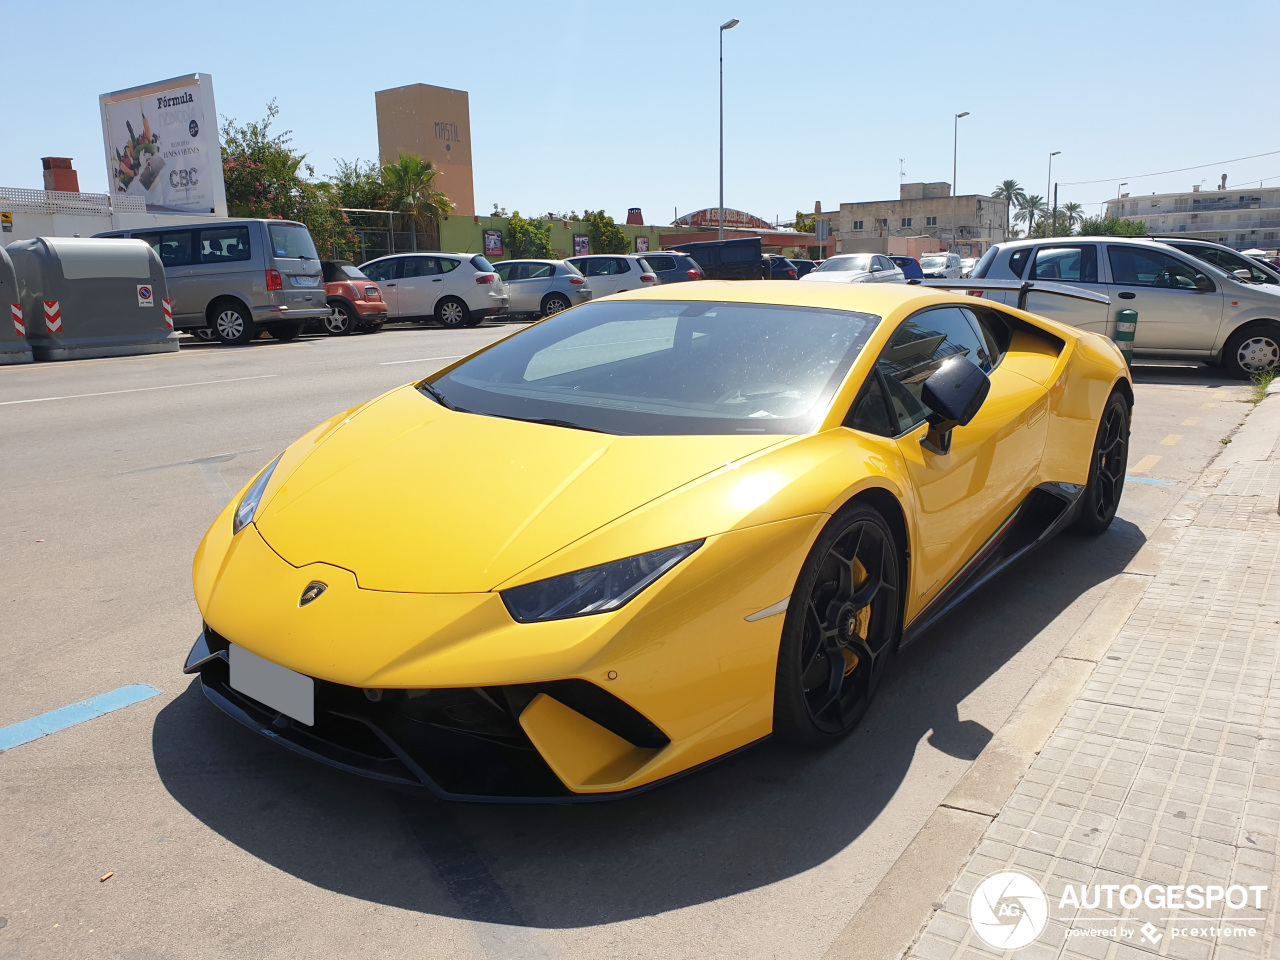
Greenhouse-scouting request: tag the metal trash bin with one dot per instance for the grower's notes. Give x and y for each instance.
(85, 298)
(13, 341)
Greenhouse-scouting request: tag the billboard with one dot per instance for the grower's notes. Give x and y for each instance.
(162, 145)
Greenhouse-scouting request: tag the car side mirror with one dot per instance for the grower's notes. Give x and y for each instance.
(875, 268)
(1203, 283)
(1243, 274)
(953, 393)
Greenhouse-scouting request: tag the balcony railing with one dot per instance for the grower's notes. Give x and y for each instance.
(67, 202)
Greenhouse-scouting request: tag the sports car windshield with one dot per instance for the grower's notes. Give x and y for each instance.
(647, 367)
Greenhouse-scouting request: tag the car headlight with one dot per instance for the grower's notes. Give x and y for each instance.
(249, 502)
(595, 589)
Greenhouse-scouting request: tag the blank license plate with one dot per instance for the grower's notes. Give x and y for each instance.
(272, 685)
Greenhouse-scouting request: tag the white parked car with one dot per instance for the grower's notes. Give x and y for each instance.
(454, 289)
(1188, 309)
(941, 265)
(856, 268)
(614, 272)
(966, 266)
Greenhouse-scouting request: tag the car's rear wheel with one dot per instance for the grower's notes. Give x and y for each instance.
(284, 332)
(452, 312)
(1101, 497)
(233, 325)
(841, 627)
(340, 321)
(1253, 350)
(554, 304)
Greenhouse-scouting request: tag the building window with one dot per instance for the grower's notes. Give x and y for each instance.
(1239, 238)
(906, 221)
(857, 224)
(930, 221)
(882, 222)
(1269, 235)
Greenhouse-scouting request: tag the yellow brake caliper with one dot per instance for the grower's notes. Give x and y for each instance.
(861, 622)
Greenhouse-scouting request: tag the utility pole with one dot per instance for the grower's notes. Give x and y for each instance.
(955, 143)
(1047, 186)
(723, 27)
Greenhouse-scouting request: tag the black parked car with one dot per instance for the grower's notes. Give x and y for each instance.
(803, 267)
(672, 266)
(779, 268)
(725, 259)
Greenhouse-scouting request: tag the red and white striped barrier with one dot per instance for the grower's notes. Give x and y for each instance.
(52, 316)
(19, 327)
(168, 313)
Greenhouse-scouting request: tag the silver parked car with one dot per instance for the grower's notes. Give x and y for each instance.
(944, 265)
(1188, 309)
(542, 287)
(856, 268)
(1223, 257)
(233, 278)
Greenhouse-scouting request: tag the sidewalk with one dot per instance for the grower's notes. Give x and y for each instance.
(1166, 769)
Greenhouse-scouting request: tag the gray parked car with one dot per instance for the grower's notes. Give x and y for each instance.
(1223, 257)
(856, 268)
(1188, 309)
(233, 278)
(542, 287)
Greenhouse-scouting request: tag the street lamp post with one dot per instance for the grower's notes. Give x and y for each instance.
(723, 27)
(1047, 187)
(955, 142)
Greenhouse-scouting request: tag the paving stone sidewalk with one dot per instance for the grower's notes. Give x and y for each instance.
(1166, 770)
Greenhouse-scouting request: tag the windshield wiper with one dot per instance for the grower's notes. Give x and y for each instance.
(550, 422)
(438, 397)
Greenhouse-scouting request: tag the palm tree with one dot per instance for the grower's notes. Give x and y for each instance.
(1011, 192)
(1074, 213)
(1029, 207)
(409, 182)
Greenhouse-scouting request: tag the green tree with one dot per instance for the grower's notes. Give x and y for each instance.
(410, 185)
(528, 238)
(1107, 226)
(1029, 208)
(1011, 192)
(263, 178)
(1059, 220)
(805, 224)
(359, 185)
(1074, 212)
(605, 236)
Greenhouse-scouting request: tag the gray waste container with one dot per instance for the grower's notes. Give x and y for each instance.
(85, 297)
(13, 341)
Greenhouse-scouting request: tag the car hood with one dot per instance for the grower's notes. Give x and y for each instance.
(411, 497)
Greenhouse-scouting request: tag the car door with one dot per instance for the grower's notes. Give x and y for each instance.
(1174, 316)
(177, 253)
(626, 274)
(419, 285)
(884, 270)
(1075, 264)
(386, 274)
(601, 273)
(451, 281)
(961, 498)
(513, 274)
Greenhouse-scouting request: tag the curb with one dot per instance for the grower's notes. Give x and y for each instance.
(896, 912)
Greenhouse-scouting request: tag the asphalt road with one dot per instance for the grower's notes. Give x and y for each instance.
(223, 845)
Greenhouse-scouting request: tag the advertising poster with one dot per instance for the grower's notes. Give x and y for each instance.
(642, 244)
(581, 244)
(493, 243)
(162, 145)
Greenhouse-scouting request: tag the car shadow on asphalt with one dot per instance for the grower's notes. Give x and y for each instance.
(756, 818)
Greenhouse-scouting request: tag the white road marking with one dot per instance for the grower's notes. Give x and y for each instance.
(167, 386)
(392, 363)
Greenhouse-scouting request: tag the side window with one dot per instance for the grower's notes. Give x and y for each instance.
(661, 264)
(224, 244)
(1078, 264)
(505, 271)
(1018, 261)
(995, 337)
(420, 267)
(536, 271)
(621, 265)
(917, 349)
(1134, 266)
(598, 266)
(444, 265)
(382, 270)
(173, 248)
(870, 412)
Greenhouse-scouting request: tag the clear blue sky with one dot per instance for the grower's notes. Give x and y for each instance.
(580, 104)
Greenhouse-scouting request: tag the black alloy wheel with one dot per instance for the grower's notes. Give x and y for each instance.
(1101, 497)
(841, 627)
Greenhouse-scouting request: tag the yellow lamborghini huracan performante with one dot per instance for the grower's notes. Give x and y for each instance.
(649, 531)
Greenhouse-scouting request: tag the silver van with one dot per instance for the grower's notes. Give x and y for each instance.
(233, 278)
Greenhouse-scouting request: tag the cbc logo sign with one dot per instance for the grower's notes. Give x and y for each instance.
(1008, 910)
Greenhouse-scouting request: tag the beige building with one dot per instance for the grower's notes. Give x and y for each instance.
(1244, 218)
(967, 225)
(435, 123)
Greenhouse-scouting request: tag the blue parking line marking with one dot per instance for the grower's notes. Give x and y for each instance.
(1155, 483)
(27, 730)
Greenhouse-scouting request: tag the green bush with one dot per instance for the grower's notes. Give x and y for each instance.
(1111, 227)
(604, 235)
(527, 239)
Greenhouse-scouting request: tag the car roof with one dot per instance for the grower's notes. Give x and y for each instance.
(1093, 238)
